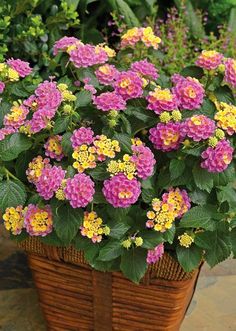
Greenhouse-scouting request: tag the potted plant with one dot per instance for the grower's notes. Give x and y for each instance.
(112, 172)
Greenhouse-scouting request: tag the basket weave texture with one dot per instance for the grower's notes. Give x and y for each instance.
(75, 297)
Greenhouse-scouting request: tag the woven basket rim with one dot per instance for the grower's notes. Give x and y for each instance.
(166, 268)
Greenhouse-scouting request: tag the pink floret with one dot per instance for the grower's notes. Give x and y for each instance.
(155, 254)
(82, 136)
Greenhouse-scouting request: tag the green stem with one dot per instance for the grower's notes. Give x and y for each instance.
(9, 174)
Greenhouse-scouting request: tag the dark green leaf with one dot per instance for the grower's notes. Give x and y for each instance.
(189, 258)
(13, 145)
(124, 141)
(83, 99)
(133, 264)
(99, 173)
(66, 143)
(224, 94)
(110, 251)
(198, 217)
(192, 71)
(52, 239)
(220, 247)
(4, 109)
(12, 194)
(203, 179)
(118, 228)
(176, 168)
(151, 238)
(61, 124)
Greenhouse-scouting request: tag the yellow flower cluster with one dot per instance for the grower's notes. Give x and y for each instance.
(226, 117)
(66, 94)
(126, 166)
(161, 217)
(85, 157)
(14, 219)
(146, 35)
(54, 145)
(93, 227)
(9, 73)
(175, 199)
(138, 241)
(185, 240)
(149, 38)
(166, 116)
(110, 52)
(35, 168)
(15, 115)
(106, 147)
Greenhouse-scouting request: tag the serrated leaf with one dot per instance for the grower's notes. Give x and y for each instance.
(151, 238)
(83, 99)
(66, 222)
(133, 264)
(12, 194)
(4, 109)
(66, 143)
(199, 197)
(220, 247)
(203, 179)
(13, 145)
(110, 251)
(118, 229)
(99, 173)
(192, 71)
(169, 234)
(124, 141)
(148, 194)
(61, 124)
(176, 168)
(121, 7)
(189, 258)
(198, 217)
(224, 94)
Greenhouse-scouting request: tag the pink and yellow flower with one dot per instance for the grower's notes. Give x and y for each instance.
(230, 72)
(120, 191)
(16, 117)
(167, 137)
(21, 67)
(35, 168)
(218, 158)
(109, 101)
(86, 55)
(209, 60)
(179, 199)
(93, 227)
(38, 221)
(144, 160)
(128, 85)
(161, 100)
(189, 92)
(53, 148)
(106, 74)
(64, 44)
(134, 35)
(14, 219)
(85, 158)
(199, 127)
(145, 69)
(226, 117)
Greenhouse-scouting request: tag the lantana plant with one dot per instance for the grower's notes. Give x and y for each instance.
(119, 163)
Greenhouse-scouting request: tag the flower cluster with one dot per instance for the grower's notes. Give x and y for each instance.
(93, 227)
(125, 166)
(82, 136)
(79, 190)
(185, 240)
(53, 148)
(167, 137)
(129, 85)
(15, 119)
(65, 44)
(209, 60)
(106, 147)
(161, 100)
(120, 191)
(106, 74)
(199, 127)
(145, 69)
(14, 219)
(145, 35)
(189, 92)
(230, 72)
(174, 204)
(154, 255)
(226, 117)
(36, 167)
(143, 159)
(38, 221)
(12, 70)
(217, 159)
(109, 101)
(85, 157)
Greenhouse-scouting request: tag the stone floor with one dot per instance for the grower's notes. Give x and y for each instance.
(213, 307)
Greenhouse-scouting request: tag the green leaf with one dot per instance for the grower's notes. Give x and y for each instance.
(223, 178)
(61, 124)
(110, 251)
(13, 145)
(224, 94)
(233, 241)
(198, 217)
(220, 247)
(198, 197)
(83, 99)
(118, 214)
(67, 222)
(201, 239)
(203, 179)
(73, 3)
(4, 110)
(133, 264)
(192, 71)
(124, 141)
(99, 173)
(148, 194)
(208, 108)
(66, 143)
(121, 7)
(189, 258)
(169, 235)
(52, 239)
(151, 238)
(177, 168)
(118, 228)
(12, 194)
(226, 193)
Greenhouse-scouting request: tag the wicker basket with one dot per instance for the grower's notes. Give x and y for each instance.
(74, 297)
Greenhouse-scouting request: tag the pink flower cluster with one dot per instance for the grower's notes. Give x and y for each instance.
(63, 44)
(199, 127)
(145, 68)
(79, 190)
(230, 72)
(121, 192)
(167, 137)
(128, 85)
(86, 55)
(82, 136)
(144, 161)
(49, 181)
(16, 117)
(22, 67)
(2, 87)
(109, 101)
(5, 132)
(38, 221)
(161, 100)
(217, 159)
(53, 148)
(155, 254)
(209, 60)
(106, 74)
(189, 92)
